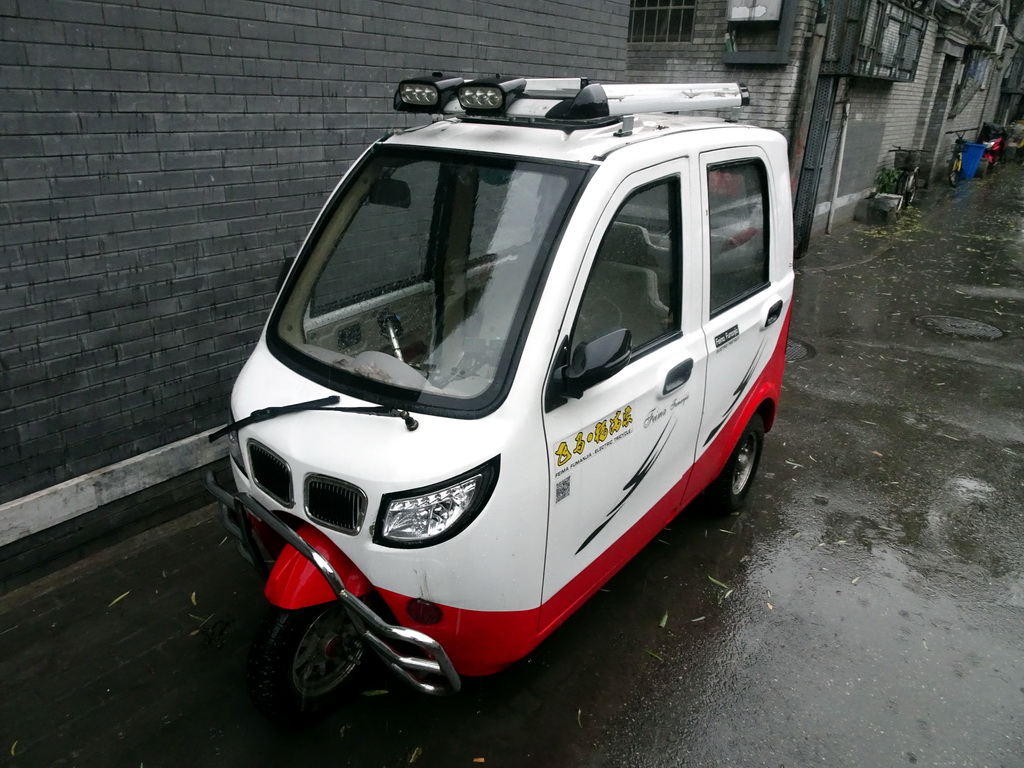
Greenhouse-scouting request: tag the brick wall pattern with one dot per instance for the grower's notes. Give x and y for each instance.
(158, 163)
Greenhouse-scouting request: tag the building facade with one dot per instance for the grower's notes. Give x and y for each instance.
(864, 75)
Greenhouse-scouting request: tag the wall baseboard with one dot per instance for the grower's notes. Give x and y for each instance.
(59, 503)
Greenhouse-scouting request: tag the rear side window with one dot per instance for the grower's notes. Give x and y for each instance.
(634, 282)
(738, 224)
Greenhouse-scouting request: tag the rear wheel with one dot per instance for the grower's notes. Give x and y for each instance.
(908, 187)
(730, 489)
(302, 661)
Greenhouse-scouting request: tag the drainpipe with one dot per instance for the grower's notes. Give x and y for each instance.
(807, 89)
(839, 168)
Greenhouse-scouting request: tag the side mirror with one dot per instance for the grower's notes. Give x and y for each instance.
(594, 361)
(391, 193)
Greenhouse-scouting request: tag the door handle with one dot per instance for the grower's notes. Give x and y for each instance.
(677, 377)
(774, 313)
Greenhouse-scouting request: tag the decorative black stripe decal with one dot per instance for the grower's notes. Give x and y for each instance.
(738, 392)
(636, 479)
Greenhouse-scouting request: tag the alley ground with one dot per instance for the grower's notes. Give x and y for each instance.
(874, 608)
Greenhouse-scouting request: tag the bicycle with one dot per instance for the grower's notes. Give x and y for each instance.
(906, 162)
(956, 161)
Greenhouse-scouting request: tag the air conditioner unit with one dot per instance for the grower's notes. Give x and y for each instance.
(754, 10)
(998, 38)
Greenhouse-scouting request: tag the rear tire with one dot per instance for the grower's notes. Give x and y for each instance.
(303, 661)
(728, 492)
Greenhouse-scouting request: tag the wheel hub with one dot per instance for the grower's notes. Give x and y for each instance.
(744, 464)
(328, 653)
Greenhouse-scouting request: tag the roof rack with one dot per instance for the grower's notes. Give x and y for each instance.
(566, 102)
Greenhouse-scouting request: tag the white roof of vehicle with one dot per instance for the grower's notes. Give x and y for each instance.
(583, 145)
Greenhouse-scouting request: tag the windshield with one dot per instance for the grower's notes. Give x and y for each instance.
(417, 282)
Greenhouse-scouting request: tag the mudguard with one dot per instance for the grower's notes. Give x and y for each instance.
(295, 582)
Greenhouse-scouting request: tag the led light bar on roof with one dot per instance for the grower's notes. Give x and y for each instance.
(565, 99)
(429, 93)
(490, 95)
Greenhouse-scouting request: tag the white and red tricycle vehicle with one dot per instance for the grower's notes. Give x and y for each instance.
(516, 343)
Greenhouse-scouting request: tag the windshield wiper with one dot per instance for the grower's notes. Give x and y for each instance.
(322, 404)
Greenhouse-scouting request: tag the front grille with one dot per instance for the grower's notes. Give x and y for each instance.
(334, 503)
(271, 474)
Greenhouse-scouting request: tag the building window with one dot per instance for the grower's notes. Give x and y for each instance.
(660, 21)
(874, 38)
(972, 79)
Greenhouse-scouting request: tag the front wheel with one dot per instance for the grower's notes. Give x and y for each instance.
(907, 187)
(729, 490)
(302, 661)
(954, 172)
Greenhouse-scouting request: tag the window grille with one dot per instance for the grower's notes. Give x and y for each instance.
(874, 38)
(661, 21)
(976, 68)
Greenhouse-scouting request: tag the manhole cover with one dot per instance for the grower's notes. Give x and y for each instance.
(798, 351)
(960, 327)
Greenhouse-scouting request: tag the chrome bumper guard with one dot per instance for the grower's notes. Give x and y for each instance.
(376, 633)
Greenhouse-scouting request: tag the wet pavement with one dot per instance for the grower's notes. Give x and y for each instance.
(872, 612)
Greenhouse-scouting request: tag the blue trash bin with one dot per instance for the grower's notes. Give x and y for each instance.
(971, 157)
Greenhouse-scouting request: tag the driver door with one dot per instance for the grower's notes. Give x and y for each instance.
(618, 456)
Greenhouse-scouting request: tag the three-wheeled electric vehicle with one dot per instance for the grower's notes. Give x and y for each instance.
(517, 341)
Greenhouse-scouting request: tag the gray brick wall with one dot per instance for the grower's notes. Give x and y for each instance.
(159, 161)
(774, 89)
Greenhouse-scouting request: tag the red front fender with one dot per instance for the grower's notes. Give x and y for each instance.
(296, 583)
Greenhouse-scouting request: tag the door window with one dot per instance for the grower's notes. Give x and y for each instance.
(738, 224)
(635, 280)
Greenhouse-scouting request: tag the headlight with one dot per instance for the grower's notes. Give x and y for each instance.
(490, 94)
(430, 515)
(429, 93)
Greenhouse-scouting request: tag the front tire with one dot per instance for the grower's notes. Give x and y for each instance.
(728, 492)
(954, 173)
(302, 661)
